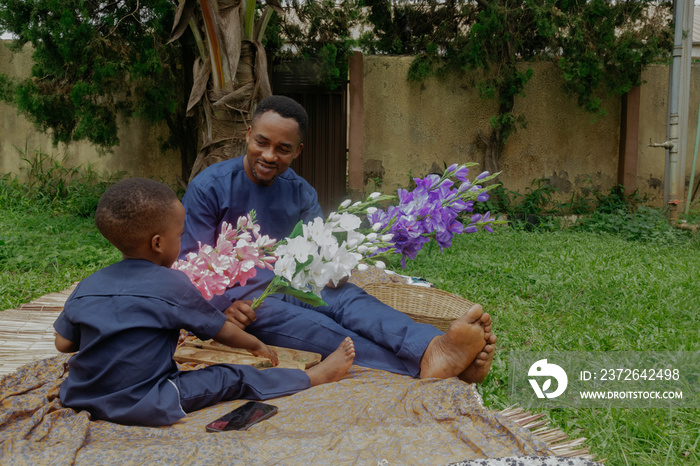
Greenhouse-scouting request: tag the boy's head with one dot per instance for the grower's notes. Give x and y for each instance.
(143, 219)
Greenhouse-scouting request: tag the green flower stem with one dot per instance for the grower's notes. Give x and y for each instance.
(273, 288)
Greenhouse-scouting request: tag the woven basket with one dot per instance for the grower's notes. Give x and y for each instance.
(425, 305)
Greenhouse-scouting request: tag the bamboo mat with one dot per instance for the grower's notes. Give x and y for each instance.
(26, 333)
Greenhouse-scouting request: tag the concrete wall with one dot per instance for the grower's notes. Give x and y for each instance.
(138, 153)
(414, 128)
(652, 127)
(411, 129)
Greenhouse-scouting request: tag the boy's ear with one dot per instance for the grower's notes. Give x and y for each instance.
(156, 245)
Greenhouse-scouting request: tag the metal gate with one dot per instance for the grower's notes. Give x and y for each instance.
(323, 161)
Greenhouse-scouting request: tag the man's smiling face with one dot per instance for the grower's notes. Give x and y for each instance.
(273, 143)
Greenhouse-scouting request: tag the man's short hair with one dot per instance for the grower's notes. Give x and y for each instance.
(132, 211)
(286, 108)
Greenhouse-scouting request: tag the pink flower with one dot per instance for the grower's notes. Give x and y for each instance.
(234, 259)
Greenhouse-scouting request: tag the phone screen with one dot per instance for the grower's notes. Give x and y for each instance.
(243, 417)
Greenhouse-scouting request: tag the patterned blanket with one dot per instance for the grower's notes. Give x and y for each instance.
(369, 417)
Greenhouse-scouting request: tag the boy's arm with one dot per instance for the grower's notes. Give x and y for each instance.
(231, 335)
(64, 345)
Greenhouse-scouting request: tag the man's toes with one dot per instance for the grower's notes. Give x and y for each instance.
(475, 313)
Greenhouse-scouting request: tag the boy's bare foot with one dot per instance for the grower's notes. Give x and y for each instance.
(477, 371)
(334, 367)
(450, 354)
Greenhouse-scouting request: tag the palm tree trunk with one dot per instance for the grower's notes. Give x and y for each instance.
(230, 79)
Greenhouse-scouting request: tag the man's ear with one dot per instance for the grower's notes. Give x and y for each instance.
(156, 244)
(247, 134)
(299, 148)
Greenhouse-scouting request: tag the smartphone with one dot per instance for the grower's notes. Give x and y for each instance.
(243, 417)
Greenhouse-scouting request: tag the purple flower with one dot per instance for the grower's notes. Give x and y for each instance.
(461, 174)
(428, 182)
(432, 210)
(464, 186)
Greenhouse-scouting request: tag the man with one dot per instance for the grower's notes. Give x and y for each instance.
(384, 338)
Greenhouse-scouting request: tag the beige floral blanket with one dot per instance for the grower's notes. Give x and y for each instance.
(369, 417)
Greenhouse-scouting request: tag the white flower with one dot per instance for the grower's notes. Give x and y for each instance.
(346, 203)
(362, 249)
(319, 232)
(380, 265)
(386, 238)
(328, 251)
(374, 195)
(299, 248)
(377, 226)
(355, 238)
(285, 267)
(371, 210)
(371, 237)
(362, 267)
(348, 222)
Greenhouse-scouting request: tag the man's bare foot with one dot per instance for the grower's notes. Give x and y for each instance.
(450, 354)
(486, 324)
(477, 371)
(334, 367)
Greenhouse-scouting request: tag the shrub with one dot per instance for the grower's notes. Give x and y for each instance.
(50, 184)
(646, 224)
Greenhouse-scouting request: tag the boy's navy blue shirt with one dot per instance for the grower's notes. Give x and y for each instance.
(126, 319)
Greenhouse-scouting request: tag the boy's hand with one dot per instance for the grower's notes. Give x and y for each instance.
(265, 351)
(240, 313)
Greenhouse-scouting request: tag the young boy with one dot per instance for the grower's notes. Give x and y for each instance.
(124, 322)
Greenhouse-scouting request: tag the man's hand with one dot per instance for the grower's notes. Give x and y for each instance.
(240, 314)
(342, 282)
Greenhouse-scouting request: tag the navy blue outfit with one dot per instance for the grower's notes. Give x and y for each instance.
(126, 319)
(384, 338)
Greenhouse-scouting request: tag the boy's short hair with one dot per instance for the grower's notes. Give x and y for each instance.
(132, 211)
(285, 107)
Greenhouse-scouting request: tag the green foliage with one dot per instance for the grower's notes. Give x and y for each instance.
(95, 62)
(46, 243)
(644, 224)
(615, 213)
(316, 39)
(99, 62)
(50, 185)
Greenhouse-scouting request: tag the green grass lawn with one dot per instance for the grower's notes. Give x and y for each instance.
(43, 252)
(581, 291)
(574, 291)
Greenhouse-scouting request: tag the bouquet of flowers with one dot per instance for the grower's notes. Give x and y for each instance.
(432, 210)
(232, 260)
(321, 252)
